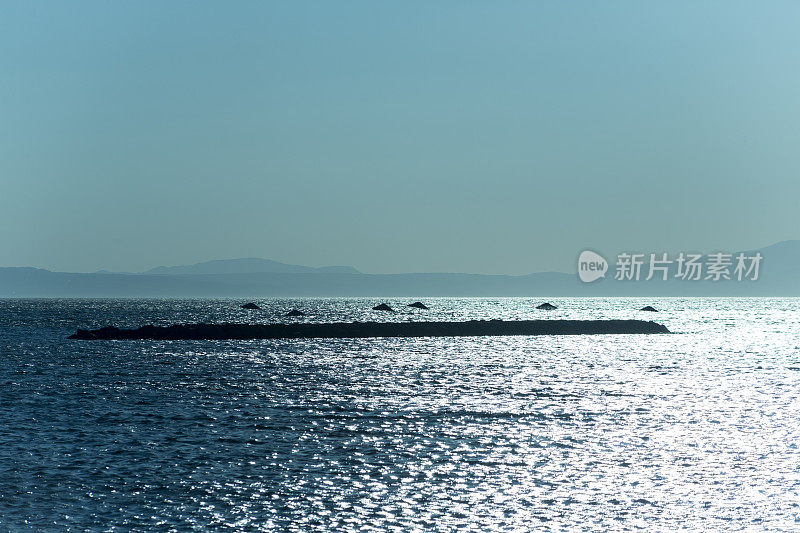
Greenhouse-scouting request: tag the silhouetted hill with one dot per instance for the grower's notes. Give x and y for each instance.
(247, 265)
(778, 278)
(30, 282)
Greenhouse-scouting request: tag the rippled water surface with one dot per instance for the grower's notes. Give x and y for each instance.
(695, 430)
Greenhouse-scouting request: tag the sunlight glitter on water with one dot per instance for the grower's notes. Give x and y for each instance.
(695, 430)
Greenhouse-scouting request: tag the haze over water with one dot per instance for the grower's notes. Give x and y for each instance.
(694, 430)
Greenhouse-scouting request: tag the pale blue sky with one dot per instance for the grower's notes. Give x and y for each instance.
(496, 137)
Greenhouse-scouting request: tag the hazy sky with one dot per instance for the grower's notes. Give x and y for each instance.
(496, 137)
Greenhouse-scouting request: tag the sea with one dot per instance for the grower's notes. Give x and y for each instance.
(695, 430)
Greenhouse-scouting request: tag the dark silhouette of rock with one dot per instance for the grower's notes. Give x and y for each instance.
(547, 306)
(649, 308)
(382, 307)
(250, 305)
(418, 305)
(472, 328)
(295, 312)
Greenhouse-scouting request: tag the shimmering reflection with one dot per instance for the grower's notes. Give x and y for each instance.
(695, 430)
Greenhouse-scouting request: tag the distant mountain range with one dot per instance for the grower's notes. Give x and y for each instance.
(252, 277)
(248, 265)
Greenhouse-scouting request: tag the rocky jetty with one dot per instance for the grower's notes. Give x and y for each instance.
(341, 330)
(547, 306)
(382, 307)
(250, 305)
(418, 305)
(649, 308)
